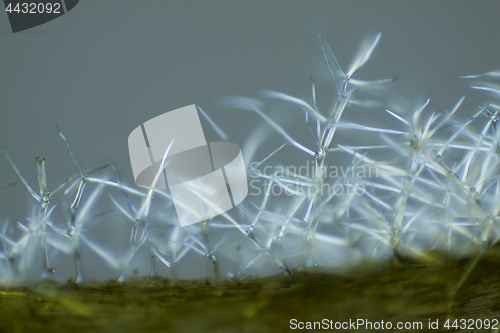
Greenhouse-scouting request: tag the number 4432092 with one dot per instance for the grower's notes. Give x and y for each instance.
(471, 324)
(33, 8)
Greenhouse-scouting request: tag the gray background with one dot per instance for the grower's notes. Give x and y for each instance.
(107, 66)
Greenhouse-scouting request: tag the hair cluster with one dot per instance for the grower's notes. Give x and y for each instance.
(427, 183)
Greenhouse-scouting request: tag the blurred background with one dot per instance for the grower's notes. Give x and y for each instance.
(107, 66)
